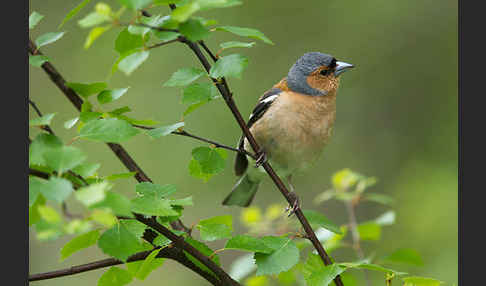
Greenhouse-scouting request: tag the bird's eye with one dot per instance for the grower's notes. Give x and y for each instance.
(324, 72)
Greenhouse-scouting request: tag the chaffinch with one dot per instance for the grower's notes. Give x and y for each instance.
(292, 123)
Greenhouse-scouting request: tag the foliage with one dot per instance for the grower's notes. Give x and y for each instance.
(280, 251)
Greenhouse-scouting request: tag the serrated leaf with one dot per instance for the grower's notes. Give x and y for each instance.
(184, 77)
(94, 34)
(248, 243)
(48, 38)
(107, 96)
(34, 19)
(80, 242)
(87, 89)
(194, 30)
(108, 130)
(153, 21)
(210, 159)
(246, 32)
(93, 19)
(43, 120)
(104, 217)
(319, 220)
(64, 158)
(369, 231)
(199, 92)
(56, 189)
(284, 256)
(134, 226)
(214, 228)
(42, 143)
(164, 130)
(324, 276)
(235, 44)
(136, 4)
(130, 63)
(158, 191)
(37, 60)
(195, 170)
(229, 66)
(151, 206)
(421, 281)
(119, 242)
(118, 204)
(73, 12)
(148, 265)
(182, 13)
(161, 241)
(115, 277)
(405, 255)
(126, 42)
(93, 193)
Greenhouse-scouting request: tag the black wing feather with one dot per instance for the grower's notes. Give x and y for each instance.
(241, 162)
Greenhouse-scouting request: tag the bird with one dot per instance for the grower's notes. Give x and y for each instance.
(292, 123)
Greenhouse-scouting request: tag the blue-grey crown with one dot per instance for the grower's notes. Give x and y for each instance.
(305, 65)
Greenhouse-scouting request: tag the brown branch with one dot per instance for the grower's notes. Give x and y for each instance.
(227, 95)
(141, 177)
(168, 252)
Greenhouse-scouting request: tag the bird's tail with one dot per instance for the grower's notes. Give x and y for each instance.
(243, 192)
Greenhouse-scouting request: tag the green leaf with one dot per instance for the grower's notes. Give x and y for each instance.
(132, 62)
(164, 130)
(120, 110)
(284, 256)
(34, 215)
(48, 38)
(248, 243)
(126, 42)
(344, 179)
(182, 13)
(148, 265)
(74, 12)
(318, 220)
(110, 95)
(205, 250)
(120, 176)
(115, 277)
(86, 169)
(324, 276)
(405, 255)
(64, 158)
(379, 198)
(136, 4)
(80, 242)
(119, 242)
(93, 19)
(94, 34)
(118, 204)
(34, 19)
(166, 36)
(369, 231)
(218, 227)
(184, 77)
(235, 44)
(182, 202)
(196, 171)
(387, 218)
(210, 159)
(199, 92)
(93, 193)
(229, 66)
(134, 226)
(421, 281)
(158, 191)
(108, 130)
(149, 205)
(194, 30)
(35, 187)
(373, 267)
(153, 21)
(42, 143)
(43, 120)
(56, 189)
(246, 32)
(161, 241)
(37, 60)
(87, 89)
(49, 214)
(71, 122)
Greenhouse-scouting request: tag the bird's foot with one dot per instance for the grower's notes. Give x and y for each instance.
(294, 206)
(261, 159)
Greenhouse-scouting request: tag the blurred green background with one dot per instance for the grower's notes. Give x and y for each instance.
(396, 120)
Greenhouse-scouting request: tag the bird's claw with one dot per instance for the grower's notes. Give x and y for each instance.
(262, 159)
(293, 207)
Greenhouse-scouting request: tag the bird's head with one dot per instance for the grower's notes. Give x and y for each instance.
(316, 74)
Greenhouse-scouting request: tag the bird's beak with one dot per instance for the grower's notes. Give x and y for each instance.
(342, 67)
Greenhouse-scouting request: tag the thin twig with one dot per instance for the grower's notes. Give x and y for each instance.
(178, 39)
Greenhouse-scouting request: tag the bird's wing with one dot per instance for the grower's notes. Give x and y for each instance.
(241, 162)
